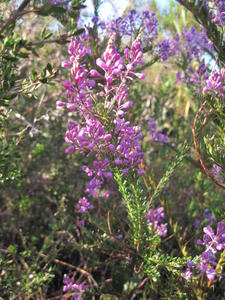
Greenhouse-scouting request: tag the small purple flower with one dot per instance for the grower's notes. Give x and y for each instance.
(165, 49)
(210, 273)
(188, 48)
(221, 236)
(197, 223)
(76, 289)
(83, 205)
(155, 218)
(156, 133)
(141, 172)
(55, 2)
(145, 23)
(216, 10)
(218, 148)
(208, 217)
(216, 169)
(119, 237)
(191, 264)
(188, 274)
(208, 257)
(80, 223)
(68, 283)
(213, 243)
(215, 85)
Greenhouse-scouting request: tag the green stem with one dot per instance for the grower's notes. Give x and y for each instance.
(137, 236)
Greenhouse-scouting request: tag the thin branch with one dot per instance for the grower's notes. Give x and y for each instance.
(65, 264)
(197, 142)
(15, 16)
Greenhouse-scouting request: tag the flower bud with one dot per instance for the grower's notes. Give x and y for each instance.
(127, 105)
(118, 161)
(141, 172)
(95, 73)
(140, 75)
(60, 104)
(70, 150)
(108, 175)
(71, 106)
(108, 137)
(91, 83)
(116, 72)
(125, 171)
(139, 55)
(120, 113)
(66, 64)
(130, 67)
(111, 148)
(101, 63)
(126, 53)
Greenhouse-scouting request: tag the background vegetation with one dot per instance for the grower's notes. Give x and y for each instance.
(40, 236)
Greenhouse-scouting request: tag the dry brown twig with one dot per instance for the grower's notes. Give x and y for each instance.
(65, 264)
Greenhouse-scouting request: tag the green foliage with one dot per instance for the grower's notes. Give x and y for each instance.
(171, 168)
(116, 253)
(135, 199)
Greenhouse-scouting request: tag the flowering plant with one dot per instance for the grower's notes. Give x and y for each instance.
(121, 186)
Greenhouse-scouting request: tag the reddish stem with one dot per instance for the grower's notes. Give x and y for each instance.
(197, 142)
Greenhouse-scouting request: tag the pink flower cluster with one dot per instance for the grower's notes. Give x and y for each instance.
(98, 100)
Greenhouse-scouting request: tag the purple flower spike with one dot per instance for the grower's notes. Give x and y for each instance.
(145, 23)
(118, 144)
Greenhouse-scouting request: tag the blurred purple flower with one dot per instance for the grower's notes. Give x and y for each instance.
(76, 289)
(83, 205)
(213, 243)
(215, 85)
(217, 11)
(155, 218)
(156, 133)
